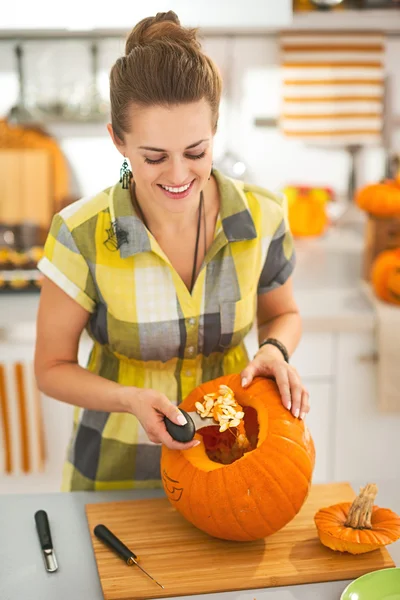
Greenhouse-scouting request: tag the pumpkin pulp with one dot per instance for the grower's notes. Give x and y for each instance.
(228, 446)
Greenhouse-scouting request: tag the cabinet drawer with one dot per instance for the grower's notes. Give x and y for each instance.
(314, 356)
(319, 421)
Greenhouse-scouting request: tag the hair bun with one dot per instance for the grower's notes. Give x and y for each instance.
(164, 26)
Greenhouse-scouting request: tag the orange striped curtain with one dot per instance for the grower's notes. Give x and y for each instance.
(333, 87)
(22, 447)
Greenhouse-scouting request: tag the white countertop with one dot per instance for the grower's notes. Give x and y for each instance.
(22, 575)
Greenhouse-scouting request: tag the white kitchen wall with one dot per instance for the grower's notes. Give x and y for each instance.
(61, 69)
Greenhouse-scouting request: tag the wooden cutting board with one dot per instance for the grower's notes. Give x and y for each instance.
(187, 561)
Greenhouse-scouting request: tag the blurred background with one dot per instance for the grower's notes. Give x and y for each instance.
(311, 109)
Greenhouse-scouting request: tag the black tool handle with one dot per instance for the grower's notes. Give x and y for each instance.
(106, 536)
(181, 433)
(43, 529)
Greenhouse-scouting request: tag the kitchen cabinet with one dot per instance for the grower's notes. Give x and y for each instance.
(314, 360)
(207, 14)
(352, 437)
(366, 440)
(319, 421)
(17, 346)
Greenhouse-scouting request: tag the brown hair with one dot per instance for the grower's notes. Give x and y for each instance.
(163, 65)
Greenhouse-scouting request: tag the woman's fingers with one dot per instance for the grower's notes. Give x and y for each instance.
(294, 396)
(296, 390)
(165, 438)
(305, 404)
(157, 432)
(169, 410)
(151, 410)
(280, 372)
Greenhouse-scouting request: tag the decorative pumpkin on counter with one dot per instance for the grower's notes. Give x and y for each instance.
(385, 276)
(251, 472)
(380, 199)
(307, 210)
(357, 527)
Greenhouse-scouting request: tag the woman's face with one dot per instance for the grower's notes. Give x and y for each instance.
(170, 153)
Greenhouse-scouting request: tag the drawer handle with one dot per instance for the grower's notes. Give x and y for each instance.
(369, 358)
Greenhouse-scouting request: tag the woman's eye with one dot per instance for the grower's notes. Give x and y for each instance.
(195, 156)
(160, 160)
(154, 162)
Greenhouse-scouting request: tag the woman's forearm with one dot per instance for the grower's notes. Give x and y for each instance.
(71, 383)
(286, 328)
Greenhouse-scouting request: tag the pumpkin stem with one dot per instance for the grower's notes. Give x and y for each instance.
(360, 511)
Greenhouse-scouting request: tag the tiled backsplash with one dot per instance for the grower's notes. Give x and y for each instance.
(61, 70)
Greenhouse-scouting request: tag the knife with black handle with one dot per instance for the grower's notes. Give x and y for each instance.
(185, 433)
(105, 535)
(46, 543)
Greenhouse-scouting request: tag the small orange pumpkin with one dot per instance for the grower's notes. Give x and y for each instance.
(253, 493)
(380, 199)
(307, 211)
(357, 527)
(385, 276)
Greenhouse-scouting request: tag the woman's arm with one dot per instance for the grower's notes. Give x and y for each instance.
(278, 317)
(60, 323)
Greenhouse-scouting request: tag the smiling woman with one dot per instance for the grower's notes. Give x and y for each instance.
(170, 162)
(166, 270)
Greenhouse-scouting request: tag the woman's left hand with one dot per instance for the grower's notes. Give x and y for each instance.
(269, 362)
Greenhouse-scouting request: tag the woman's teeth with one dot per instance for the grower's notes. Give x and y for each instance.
(177, 190)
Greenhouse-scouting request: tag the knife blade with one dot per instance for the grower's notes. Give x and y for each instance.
(185, 433)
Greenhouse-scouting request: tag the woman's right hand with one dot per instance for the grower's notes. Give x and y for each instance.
(150, 407)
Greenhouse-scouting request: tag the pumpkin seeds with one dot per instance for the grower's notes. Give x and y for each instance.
(222, 406)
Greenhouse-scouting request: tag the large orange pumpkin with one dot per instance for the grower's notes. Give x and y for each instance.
(385, 276)
(257, 493)
(380, 199)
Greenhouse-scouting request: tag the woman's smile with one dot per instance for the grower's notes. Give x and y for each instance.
(178, 192)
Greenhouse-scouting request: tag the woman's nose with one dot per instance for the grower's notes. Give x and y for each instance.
(178, 172)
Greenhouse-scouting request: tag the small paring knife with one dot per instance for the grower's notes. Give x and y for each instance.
(46, 543)
(185, 433)
(105, 535)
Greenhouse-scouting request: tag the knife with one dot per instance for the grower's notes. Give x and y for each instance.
(46, 544)
(105, 535)
(185, 433)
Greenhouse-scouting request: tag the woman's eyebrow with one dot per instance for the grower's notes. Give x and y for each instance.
(162, 150)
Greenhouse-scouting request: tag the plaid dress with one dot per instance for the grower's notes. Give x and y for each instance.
(147, 329)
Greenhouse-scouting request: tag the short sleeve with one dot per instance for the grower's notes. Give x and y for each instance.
(281, 257)
(64, 264)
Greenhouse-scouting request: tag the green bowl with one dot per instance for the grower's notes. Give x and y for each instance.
(378, 585)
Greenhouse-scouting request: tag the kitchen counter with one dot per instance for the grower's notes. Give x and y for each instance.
(22, 573)
(327, 279)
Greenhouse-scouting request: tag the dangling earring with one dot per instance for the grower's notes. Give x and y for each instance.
(125, 175)
(212, 167)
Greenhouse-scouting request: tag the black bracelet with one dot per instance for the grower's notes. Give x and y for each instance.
(278, 345)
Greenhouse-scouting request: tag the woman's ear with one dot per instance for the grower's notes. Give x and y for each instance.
(120, 146)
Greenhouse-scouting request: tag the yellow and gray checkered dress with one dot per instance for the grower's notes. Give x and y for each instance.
(148, 329)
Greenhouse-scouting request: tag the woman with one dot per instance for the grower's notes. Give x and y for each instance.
(165, 270)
